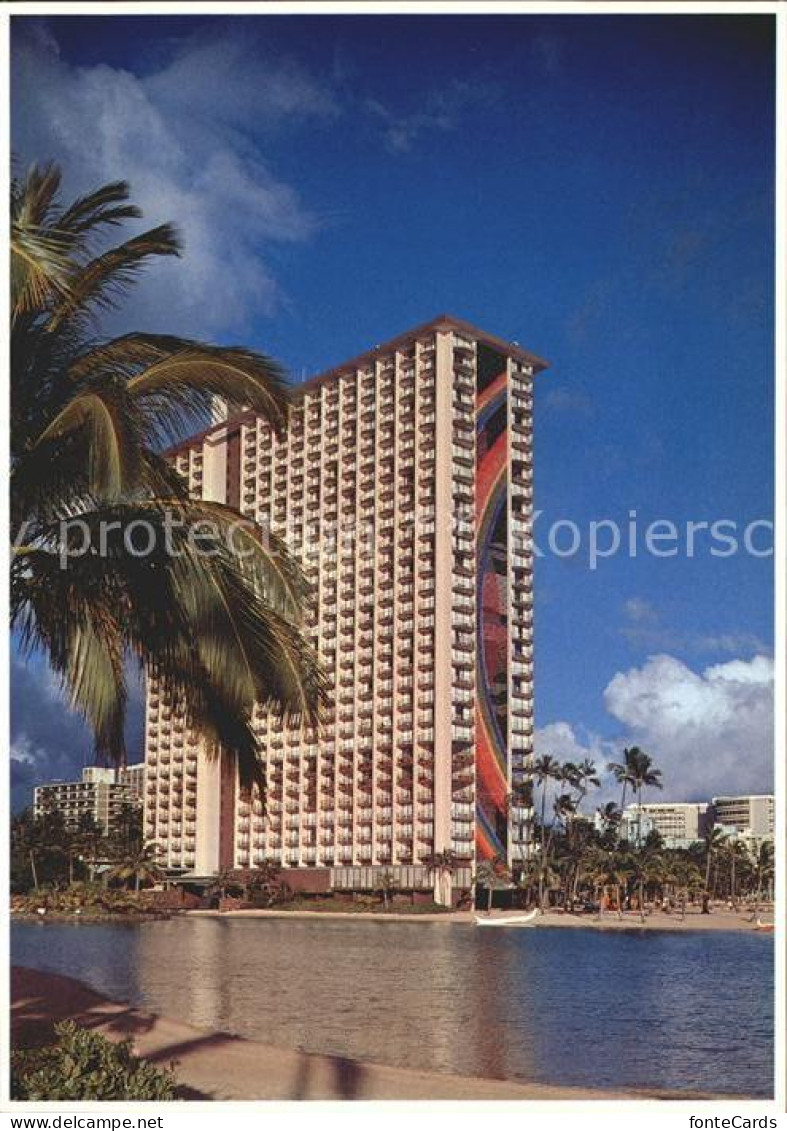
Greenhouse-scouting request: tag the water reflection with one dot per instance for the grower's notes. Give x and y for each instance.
(572, 1007)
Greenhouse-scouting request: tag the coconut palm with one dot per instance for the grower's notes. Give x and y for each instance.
(646, 867)
(586, 776)
(763, 870)
(687, 879)
(215, 618)
(386, 883)
(610, 817)
(545, 769)
(607, 868)
(442, 866)
(637, 772)
(631, 773)
(643, 774)
(492, 875)
(26, 840)
(714, 841)
(141, 867)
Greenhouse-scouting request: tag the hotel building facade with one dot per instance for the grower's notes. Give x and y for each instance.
(404, 486)
(750, 815)
(102, 794)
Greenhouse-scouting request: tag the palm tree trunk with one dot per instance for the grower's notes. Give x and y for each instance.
(622, 807)
(543, 848)
(642, 900)
(33, 868)
(136, 882)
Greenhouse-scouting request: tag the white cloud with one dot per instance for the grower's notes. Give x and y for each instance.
(643, 627)
(709, 732)
(182, 136)
(440, 111)
(561, 741)
(637, 609)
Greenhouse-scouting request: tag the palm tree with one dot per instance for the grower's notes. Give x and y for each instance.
(763, 870)
(545, 769)
(736, 857)
(687, 879)
(636, 771)
(586, 776)
(492, 875)
(607, 868)
(26, 839)
(141, 867)
(216, 618)
(387, 885)
(646, 866)
(632, 772)
(610, 816)
(715, 840)
(442, 866)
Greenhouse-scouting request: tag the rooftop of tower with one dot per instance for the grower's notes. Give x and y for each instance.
(441, 322)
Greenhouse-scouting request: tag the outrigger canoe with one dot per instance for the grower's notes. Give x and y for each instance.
(506, 920)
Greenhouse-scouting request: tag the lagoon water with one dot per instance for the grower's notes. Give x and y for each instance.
(580, 1007)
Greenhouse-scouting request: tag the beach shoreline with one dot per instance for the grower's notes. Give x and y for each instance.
(719, 920)
(220, 1066)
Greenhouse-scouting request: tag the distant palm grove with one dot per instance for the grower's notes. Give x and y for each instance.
(574, 863)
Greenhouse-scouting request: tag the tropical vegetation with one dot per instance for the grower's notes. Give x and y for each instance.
(593, 860)
(83, 1065)
(113, 563)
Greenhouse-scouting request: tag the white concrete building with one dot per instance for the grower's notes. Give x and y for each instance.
(101, 794)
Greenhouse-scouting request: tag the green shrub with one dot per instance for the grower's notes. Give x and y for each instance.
(83, 1065)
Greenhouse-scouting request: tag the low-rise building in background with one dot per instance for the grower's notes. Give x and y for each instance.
(101, 794)
(748, 817)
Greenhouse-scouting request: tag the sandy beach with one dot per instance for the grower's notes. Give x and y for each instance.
(718, 920)
(219, 1066)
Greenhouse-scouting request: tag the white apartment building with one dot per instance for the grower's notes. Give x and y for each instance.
(751, 815)
(679, 823)
(101, 794)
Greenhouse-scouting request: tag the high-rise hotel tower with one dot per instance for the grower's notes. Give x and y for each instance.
(404, 485)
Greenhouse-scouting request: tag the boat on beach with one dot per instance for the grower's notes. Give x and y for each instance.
(766, 927)
(507, 920)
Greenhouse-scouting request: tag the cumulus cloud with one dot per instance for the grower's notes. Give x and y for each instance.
(709, 731)
(563, 742)
(191, 156)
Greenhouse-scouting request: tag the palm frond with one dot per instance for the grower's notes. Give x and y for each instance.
(100, 283)
(183, 385)
(176, 379)
(113, 442)
(106, 206)
(187, 612)
(40, 268)
(33, 200)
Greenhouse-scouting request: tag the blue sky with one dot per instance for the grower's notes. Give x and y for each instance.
(597, 188)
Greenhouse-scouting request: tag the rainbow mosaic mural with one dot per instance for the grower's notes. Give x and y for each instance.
(492, 605)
